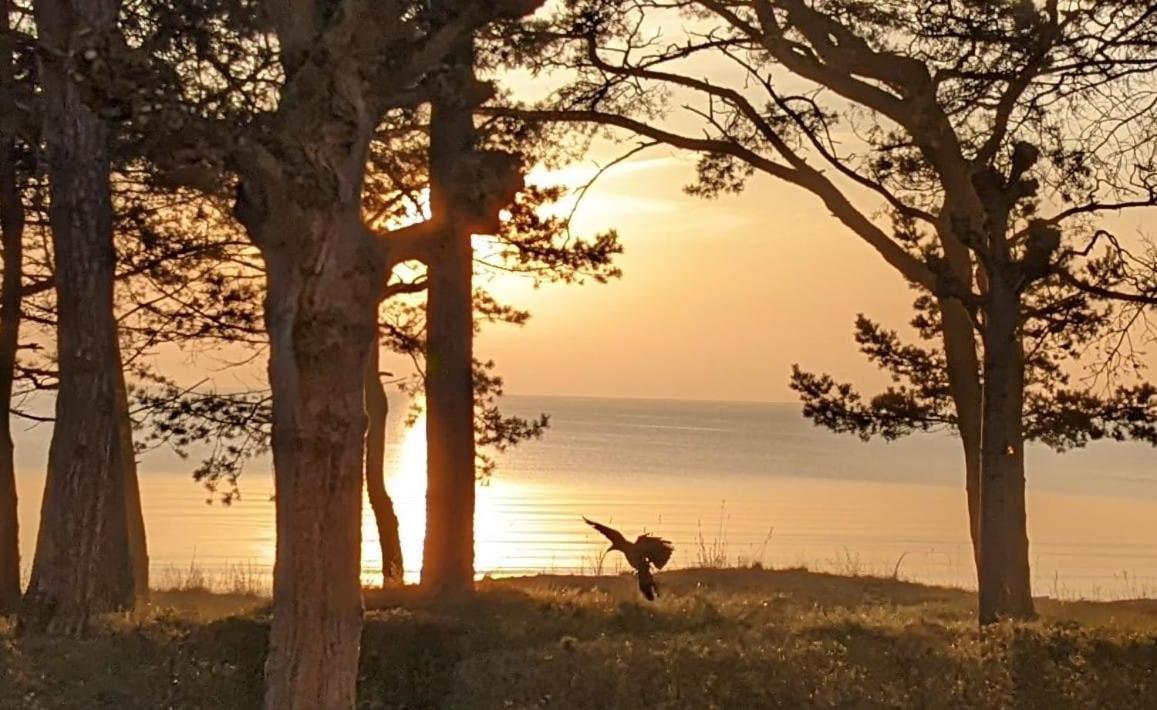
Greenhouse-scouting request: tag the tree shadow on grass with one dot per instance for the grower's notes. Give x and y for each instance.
(746, 639)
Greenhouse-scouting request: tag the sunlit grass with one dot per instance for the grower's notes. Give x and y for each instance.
(733, 638)
(244, 578)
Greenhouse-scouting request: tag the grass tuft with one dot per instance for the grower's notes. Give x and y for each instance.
(716, 638)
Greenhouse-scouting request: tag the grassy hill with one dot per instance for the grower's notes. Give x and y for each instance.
(716, 639)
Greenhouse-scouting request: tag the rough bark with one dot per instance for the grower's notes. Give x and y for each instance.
(1005, 582)
(448, 553)
(83, 563)
(12, 231)
(964, 382)
(377, 412)
(299, 197)
(324, 277)
(320, 332)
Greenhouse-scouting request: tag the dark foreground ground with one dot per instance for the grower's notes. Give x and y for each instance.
(716, 639)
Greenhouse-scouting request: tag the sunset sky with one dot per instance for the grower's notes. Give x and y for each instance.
(718, 297)
(717, 300)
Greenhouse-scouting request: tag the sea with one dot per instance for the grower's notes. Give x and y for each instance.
(729, 483)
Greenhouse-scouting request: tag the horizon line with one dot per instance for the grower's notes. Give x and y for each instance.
(699, 400)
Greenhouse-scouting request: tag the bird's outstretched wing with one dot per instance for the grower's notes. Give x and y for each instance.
(611, 534)
(655, 549)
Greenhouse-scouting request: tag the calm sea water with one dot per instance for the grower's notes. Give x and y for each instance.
(733, 482)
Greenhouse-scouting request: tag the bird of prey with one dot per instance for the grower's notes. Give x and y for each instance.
(645, 551)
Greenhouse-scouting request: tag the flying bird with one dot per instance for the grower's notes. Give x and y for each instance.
(645, 551)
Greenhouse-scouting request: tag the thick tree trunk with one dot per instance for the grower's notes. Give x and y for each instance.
(324, 276)
(12, 229)
(377, 411)
(300, 199)
(83, 563)
(448, 554)
(964, 382)
(1005, 580)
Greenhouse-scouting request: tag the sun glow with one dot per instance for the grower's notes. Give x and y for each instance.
(406, 484)
(500, 541)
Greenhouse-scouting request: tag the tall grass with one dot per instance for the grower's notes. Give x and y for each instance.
(238, 578)
(716, 638)
(714, 553)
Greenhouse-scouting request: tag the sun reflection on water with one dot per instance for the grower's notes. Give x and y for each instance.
(529, 520)
(494, 527)
(406, 484)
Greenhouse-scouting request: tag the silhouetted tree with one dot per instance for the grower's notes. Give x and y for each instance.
(162, 295)
(163, 292)
(298, 159)
(448, 553)
(12, 234)
(90, 546)
(996, 135)
(527, 244)
(523, 243)
(386, 518)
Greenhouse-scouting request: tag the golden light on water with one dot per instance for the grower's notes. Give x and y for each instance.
(406, 484)
(529, 521)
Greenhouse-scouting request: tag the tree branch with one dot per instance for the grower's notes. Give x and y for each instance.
(911, 268)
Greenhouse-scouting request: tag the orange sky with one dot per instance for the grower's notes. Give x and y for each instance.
(718, 298)
(717, 301)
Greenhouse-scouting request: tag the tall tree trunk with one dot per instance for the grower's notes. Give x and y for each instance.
(324, 276)
(377, 412)
(12, 228)
(964, 382)
(448, 553)
(1005, 580)
(960, 349)
(134, 513)
(83, 563)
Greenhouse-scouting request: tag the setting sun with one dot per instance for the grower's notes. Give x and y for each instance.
(761, 354)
